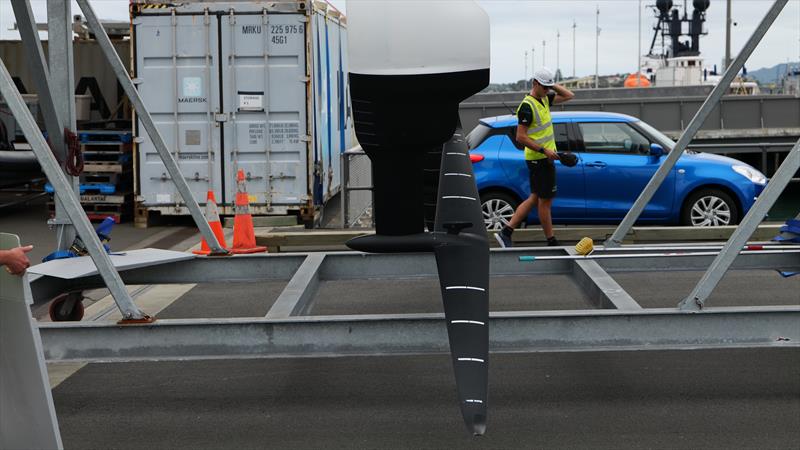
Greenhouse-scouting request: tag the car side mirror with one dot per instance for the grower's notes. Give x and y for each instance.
(656, 150)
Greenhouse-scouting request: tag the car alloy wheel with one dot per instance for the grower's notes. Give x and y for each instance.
(497, 212)
(710, 211)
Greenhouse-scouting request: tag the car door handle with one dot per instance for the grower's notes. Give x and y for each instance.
(596, 164)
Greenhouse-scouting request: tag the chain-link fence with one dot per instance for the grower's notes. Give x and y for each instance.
(356, 193)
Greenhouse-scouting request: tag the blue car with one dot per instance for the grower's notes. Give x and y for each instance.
(617, 156)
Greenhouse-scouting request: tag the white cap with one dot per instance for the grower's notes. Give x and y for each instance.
(544, 76)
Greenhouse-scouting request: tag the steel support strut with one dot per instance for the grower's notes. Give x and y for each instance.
(724, 259)
(41, 77)
(62, 86)
(149, 125)
(697, 121)
(68, 198)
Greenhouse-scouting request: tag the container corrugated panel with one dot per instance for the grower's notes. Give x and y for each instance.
(242, 94)
(331, 107)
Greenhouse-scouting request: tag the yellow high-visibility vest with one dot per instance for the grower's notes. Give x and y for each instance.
(541, 130)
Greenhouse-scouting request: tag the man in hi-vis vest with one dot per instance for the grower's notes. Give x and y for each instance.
(535, 132)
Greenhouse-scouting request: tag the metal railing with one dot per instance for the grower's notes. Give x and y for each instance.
(356, 168)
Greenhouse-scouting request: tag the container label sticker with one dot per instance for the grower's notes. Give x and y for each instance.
(163, 198)
(284, 133)
(251, 101)
(192, 87)
(192, 137)
(185, 156)
(256, 132)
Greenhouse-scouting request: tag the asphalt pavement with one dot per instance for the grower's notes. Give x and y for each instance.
(719, 399)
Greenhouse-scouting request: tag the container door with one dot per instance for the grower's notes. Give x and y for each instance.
(264, 93)
(177, 64)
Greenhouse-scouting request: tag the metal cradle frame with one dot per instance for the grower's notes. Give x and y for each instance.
(618, 323)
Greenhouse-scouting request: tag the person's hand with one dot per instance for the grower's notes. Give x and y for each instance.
(551, 154)
(16, 260)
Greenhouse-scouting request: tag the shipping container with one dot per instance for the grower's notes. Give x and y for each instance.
(255, 86)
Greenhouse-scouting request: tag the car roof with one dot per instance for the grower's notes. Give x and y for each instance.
(509, 120)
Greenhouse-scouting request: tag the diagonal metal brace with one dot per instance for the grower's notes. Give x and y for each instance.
(697, 298)
(697, 121)
(41, 76)
(150, 127)
(67, 196)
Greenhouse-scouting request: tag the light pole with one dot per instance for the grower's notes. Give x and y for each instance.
(728, 36)
(574, 25)
(558, 52)
(597, 50)
(639, 52)
(525, 77)
(544, 54)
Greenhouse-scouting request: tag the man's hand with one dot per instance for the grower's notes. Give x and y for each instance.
(562, 94)
(551, 154)
(16, 260)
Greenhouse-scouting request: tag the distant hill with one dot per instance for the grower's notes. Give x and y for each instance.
(769, 75)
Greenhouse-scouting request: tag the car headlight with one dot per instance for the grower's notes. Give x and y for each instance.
(751, 174)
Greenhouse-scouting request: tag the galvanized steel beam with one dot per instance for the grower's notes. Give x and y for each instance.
(62, 92)
(697, 298)
(37, 65)
(600, 287)
(551, 331)
(297, 297)
(354, 265)
(150, 127)
(695, 124)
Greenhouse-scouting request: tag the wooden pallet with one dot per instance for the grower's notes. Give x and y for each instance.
(119, 198)
(115, 147)
(114, 156)
(106, 167)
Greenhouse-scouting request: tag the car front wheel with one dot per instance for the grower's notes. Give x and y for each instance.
(710, 208)
(498, 208)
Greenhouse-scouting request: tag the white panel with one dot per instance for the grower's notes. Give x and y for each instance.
(395, 37)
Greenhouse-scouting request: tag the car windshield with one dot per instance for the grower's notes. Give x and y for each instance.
(477, 135)
(658, 136)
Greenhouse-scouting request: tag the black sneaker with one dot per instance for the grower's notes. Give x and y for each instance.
(503, 240)
(553, 242)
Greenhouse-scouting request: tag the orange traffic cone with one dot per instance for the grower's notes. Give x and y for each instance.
(244, 238)
(212, 216)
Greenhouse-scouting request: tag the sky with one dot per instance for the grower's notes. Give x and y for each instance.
(518, 26)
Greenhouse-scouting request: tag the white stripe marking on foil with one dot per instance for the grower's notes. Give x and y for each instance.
(452, 197)
(471, 359)
(473, 288)
(471, 322)
(458, 175)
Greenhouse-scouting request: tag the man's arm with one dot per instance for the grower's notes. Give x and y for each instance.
(15, 259)
(562, 94)
(524, 139)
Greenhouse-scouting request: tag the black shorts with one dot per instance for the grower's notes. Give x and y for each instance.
(542, 177)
